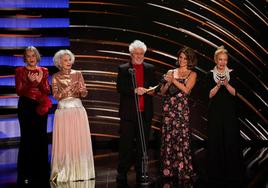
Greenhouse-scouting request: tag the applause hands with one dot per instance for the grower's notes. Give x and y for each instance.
(36, 76)
(166, 80)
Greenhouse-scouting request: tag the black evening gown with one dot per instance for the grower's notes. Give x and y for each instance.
(224, 147)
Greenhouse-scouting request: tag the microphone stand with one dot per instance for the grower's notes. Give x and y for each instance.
(144, 166)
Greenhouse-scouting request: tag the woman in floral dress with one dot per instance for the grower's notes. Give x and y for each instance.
(176, 159)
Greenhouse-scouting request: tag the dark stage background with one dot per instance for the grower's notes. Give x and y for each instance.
(99, 32)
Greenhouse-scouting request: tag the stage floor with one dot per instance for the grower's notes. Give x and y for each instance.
(255, 159)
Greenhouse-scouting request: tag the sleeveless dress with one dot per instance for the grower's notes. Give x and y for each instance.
(176, 159)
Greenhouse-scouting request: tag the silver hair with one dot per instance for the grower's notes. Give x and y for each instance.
(57, 57)
(137, 44)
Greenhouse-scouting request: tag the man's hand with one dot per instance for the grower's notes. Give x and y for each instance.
(151, 90)
(140, 90)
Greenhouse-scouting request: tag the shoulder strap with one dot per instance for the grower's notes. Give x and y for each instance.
(189, 74)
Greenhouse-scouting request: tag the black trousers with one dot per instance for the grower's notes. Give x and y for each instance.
(130, 146)
(33, 148)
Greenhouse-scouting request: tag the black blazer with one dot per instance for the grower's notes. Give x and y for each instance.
(127, 108)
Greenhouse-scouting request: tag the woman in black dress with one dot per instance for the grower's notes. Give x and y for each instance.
(224, 153)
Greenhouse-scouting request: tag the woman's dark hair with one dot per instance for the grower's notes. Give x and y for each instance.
(190, 55)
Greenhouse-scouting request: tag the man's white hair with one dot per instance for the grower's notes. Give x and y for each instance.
(137, 44)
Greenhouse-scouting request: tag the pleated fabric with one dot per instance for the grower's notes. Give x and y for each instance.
(72, 156)
(71, 184)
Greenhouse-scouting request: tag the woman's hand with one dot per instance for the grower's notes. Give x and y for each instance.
(219, 83)
(230, 88)
(32, 76)
(35, 76)
(81, 87)
(225, 82)
(39, 76)
(215, 89)
(169, 77)
(74, 88)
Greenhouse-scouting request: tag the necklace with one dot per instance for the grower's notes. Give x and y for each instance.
(221, 76)
(182, 74)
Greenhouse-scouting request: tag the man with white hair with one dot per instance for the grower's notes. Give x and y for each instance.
(129, 126)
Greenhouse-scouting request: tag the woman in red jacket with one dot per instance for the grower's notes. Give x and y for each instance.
(33, 89)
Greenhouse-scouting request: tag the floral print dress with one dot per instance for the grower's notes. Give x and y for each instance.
(176, 159)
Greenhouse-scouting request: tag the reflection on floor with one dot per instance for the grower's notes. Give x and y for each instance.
(255, 159)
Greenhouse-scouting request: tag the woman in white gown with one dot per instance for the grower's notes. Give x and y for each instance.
(72, 156)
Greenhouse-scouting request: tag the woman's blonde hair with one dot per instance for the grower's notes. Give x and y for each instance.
(36, 52)
(220, 50)
(57, 57)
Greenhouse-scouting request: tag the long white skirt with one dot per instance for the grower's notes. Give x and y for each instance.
(72, 156)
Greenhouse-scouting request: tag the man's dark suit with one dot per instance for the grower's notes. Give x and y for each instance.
(129, 131)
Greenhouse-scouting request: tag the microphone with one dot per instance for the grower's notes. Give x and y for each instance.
(131, 70)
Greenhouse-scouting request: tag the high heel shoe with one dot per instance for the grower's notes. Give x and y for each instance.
(54, 179)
